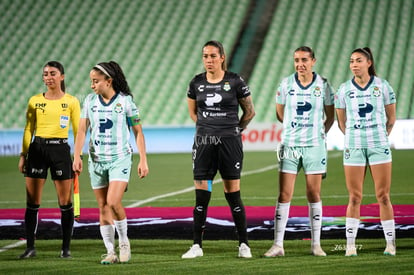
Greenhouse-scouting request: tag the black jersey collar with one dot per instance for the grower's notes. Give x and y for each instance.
(366, 86)
(300, 85)
(110, 101)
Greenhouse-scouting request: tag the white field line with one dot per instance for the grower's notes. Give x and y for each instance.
(13, 245)
(189, 189)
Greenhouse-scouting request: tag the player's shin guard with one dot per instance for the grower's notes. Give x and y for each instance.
(239, 215)
(31, 221)
(67, 219)
(200, 214)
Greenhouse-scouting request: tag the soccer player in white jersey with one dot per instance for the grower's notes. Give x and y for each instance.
(109, 114)
(365, 107)
(305, 106)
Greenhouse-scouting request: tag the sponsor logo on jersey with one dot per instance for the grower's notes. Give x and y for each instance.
(105, 124)
(302, 107)
(64, 105)
(353, 95)
(226, 86)
(200, 88)
(212, 99)
(364, 109)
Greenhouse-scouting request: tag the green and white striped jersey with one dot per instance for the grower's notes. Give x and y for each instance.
(365, 112)
(109, 126)
(304, 114)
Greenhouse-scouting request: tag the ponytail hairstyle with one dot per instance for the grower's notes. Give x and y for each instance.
(112, 70)
(59, 66)
(220, 47)
(306, 49)
(368, 54)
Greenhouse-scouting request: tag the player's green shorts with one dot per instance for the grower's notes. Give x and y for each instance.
(367, 156)
(102, 173)
(313, 159)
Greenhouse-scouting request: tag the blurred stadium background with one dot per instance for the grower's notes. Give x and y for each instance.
(158, 44)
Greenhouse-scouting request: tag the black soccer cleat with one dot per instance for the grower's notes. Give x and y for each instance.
(28, 253)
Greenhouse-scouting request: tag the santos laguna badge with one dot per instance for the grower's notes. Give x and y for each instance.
(226, 86)
(118, 108)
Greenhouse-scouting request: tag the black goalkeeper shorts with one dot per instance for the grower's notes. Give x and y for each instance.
(215, 153)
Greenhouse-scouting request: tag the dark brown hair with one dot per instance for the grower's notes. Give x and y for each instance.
(119, 82)
(306, 49)
(59, 66)
(220, 47)
(368, 54)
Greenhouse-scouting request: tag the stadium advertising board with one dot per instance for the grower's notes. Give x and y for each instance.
(257, 137)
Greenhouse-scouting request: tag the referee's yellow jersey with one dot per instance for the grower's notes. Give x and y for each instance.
(50, 118)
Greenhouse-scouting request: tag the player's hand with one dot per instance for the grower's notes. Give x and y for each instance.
(143, 170)
(22, 164)
(77, 165)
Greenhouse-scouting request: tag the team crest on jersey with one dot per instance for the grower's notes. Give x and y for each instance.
(376, 92)
(118, 108)
(226, 86)
(317, 92)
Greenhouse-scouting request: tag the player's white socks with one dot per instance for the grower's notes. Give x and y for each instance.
(122, 229)
(315, 217)
(281, 218)
(108, 236)
(351, 229)
(389, 231)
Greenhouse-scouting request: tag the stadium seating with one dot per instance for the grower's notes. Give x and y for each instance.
(158, 44)
(333, 29)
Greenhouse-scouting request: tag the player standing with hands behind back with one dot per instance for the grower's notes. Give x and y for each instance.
(109, 113)
(365, 107)
(48, 117)
(305, 105)
(213, 100)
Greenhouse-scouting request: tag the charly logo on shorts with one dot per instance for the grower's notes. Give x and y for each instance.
(118, 108)
(347, 154)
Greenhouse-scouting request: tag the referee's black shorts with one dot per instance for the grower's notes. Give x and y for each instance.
(214, 153)
(53, 153)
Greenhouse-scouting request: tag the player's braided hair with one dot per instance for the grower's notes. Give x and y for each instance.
(119, 82)
(59, 66)
(368, 54)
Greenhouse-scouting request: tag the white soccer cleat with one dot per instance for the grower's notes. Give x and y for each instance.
(351, 251)
(390, 250)
(124, 252)
(244, 251)
(317, 250)
(109, 258)
(194, 252)
(275, 251)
